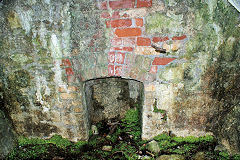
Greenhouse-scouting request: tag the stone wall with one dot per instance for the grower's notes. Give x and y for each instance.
(184, 52)
(110, 98)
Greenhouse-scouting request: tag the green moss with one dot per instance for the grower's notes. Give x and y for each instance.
(131, 123)
(59, 141)
(22, 141)
(159, 23)
(20, 79)
(13, 20)
(183, 145)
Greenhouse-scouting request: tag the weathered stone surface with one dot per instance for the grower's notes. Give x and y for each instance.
(199, 156)
(48, 46)
(111, 97)
(7, 135)
(153, 146)
(94, 130)
(107, 148)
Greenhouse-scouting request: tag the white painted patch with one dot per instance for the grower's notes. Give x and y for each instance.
(41, 86)
(55, 47)
(42, 34)
(25, 17)
(66, 30)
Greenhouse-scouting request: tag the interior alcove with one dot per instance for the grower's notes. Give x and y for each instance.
(110, 98)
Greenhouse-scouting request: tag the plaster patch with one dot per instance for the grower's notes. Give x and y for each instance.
(41, 86)
(55, 47)
(25, 17)
(133, 13)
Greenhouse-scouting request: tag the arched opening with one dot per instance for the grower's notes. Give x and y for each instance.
(110, 98)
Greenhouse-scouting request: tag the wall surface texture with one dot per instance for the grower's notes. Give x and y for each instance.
(185, 52)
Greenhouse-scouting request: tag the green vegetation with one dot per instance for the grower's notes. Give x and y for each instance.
(131, 123)
(163, 112)
(34, 148)
(125, 141)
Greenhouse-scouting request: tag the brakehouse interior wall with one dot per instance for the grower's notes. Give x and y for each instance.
(185, 55)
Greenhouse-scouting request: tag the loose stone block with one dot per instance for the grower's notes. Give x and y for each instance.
(167, 47)
(175, 45)
(134, 13)
(143, 50)
(68, 95)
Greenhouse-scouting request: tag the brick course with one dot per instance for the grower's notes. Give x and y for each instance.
(128, 32)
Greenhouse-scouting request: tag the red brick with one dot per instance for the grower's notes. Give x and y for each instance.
(115, 15)
(129, 41)
(160, 39)
(69, 71)
(141, 41)
(121, 23)
(117, 48)
(105, 15)
(111, 70)
(66, 62)
(71, 78)
(108, 24)
(128, 32)
(130, 49)
(139, 22)
(103, 5)
(162, 61)
(116, 41)
(118, 70)
(144, 3)
(153, 69)
(119, 58)
(179, 38)
(111, 57)
(121, 4)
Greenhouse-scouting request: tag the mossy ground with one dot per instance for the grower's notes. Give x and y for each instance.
(125, 141)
